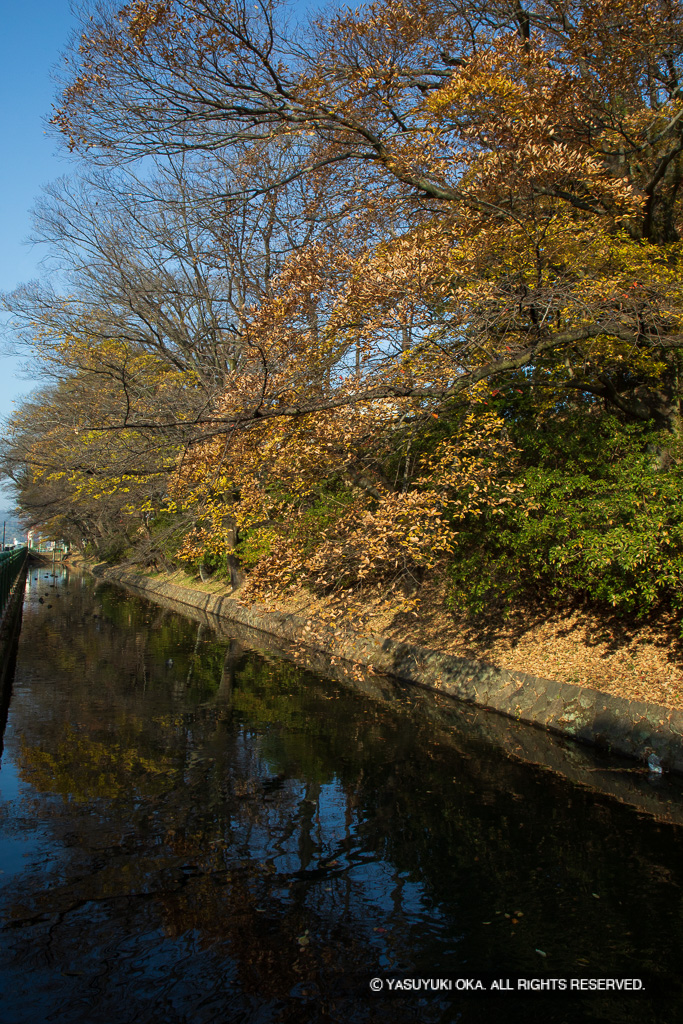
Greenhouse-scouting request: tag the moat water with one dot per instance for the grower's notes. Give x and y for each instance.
(193, 831)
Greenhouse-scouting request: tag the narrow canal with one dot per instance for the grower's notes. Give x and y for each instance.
(193, 831)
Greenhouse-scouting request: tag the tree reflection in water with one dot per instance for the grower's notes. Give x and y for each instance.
(217, 835)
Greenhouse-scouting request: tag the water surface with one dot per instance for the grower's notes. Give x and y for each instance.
(191, 831)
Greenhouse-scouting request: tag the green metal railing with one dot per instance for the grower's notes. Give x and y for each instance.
(11, 564)
(41, 548)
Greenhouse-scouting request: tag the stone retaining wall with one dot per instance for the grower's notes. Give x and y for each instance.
(614, 724)
(10, 626)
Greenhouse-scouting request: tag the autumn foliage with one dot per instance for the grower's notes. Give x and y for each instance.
(351, 281)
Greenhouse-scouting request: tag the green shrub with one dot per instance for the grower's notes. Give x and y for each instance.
(599, 516)
(254, 545)
(115, 549)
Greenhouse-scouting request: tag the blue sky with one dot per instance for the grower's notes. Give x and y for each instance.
(33, 37)
(34, 32)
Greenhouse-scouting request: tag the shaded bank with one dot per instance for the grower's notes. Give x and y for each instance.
(10, 628)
